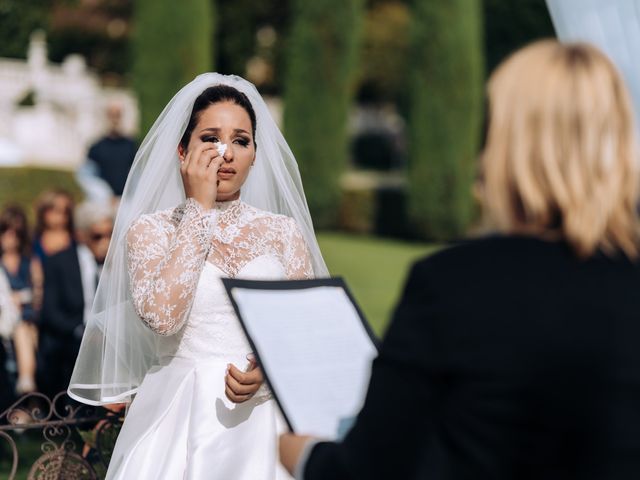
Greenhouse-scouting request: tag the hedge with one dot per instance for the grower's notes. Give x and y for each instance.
(22, 185)
(172, 43)
(445, 115)
(319, 86)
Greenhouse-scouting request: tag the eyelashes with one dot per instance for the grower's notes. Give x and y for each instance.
(242, 141)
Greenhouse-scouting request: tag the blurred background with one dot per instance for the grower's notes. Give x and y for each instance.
(380, 100)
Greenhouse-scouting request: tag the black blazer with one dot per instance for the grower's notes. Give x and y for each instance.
(63, 302)
(507, 358)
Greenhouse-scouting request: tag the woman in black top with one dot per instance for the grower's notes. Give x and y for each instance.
(517, 356)
(24, 274)
(54, 229)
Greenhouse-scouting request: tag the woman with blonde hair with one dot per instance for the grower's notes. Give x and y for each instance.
(516, 355)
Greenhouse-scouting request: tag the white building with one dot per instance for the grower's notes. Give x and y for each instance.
(50, 114)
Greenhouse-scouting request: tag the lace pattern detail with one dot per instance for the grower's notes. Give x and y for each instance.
(193, 210)
(167, 251)
(165, 254)
(244, 233)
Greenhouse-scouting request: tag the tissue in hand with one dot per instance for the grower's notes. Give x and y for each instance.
(222, 148)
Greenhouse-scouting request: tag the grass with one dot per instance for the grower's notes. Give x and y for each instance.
(375, 270)
(29, 449)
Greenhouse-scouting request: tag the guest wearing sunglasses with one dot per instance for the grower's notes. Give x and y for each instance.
(71, 278)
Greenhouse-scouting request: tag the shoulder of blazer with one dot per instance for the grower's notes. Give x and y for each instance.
(484, 250)
(460, 247)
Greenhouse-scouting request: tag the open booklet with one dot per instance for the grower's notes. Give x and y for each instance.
(314, 346)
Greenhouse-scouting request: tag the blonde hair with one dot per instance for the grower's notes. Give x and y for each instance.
(561, 159)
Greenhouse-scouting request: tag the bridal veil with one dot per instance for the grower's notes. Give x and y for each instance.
(117, 349)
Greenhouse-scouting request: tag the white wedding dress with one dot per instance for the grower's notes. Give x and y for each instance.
(180, 424)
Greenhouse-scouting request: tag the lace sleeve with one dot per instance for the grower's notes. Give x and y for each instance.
(165, 264)
(297, 259)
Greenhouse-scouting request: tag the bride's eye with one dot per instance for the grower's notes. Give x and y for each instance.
(242, 141)
(210, 138)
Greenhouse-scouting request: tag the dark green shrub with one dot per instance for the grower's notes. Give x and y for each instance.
(22, 185)
(18, 20)
(510, 25)
(172, 43)
(357, 210)
(374, 150)
(391, 219)
(444, 115)
(319, 86)
(374, 203)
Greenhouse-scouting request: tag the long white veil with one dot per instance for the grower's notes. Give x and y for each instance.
(611, 25)
(117, 350)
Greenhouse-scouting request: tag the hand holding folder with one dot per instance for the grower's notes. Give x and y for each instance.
(314, 346)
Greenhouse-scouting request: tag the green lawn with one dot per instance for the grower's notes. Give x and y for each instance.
(375, 270)
(29, 449)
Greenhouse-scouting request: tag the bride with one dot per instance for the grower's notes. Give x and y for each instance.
(214, 192)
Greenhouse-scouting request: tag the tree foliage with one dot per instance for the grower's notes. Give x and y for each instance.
(18, 19)
(384, 53)
(444, 114)
(172, 44)
(319, 85)
(510, 25)
(237, 38)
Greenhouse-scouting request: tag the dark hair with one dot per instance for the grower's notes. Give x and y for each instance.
(217, 94)
(13, 217)
(45, 202)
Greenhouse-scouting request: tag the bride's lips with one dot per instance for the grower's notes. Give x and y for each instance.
(226, 173)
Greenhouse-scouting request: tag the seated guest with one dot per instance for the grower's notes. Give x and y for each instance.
(9, 318)
(24, 273)
(516, 356)
(70, 281)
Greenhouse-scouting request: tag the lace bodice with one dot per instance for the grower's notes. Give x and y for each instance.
(168, 252)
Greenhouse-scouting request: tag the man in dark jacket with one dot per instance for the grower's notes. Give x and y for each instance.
(113, 154)
(71, 278)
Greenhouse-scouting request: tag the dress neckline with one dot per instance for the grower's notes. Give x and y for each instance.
(227, 205)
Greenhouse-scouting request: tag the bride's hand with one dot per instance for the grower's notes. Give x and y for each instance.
(199, 170)
(241, 386)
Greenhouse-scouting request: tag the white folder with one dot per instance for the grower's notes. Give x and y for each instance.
(314, 346)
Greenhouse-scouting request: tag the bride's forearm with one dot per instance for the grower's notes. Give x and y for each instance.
(163, 281)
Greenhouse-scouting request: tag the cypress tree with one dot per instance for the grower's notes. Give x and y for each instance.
(445, 114)
(172, 43)
(319, 86)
